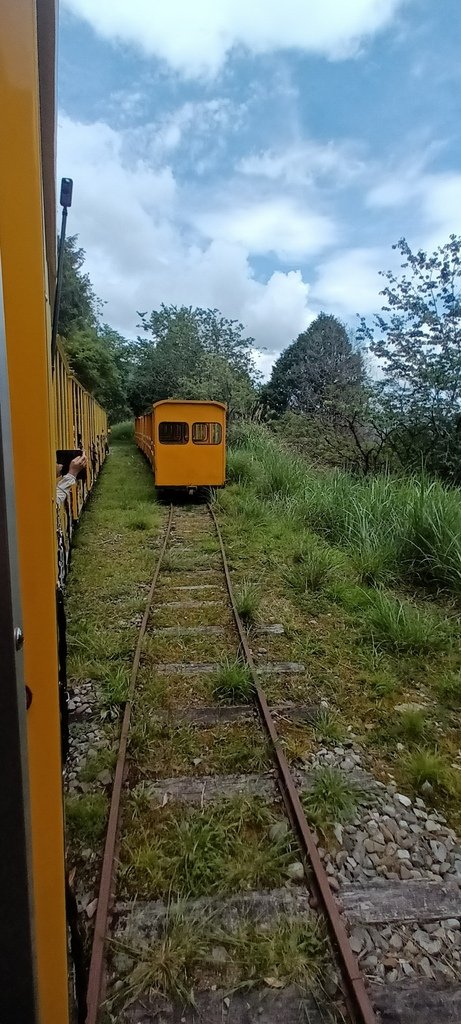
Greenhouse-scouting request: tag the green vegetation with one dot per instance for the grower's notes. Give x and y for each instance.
(233, 683)
(248, 600)
(405, 627)
(449, 689)
(327, 727)
(86, 818)
(188, 750)
(331, 799)
(183, 851)
(287, 952)
(428, 770)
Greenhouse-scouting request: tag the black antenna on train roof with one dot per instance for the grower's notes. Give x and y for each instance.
(65, 200)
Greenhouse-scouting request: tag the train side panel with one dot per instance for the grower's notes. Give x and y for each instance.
(27, 325)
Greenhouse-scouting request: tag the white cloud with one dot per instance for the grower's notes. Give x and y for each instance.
(272, 225)
(140, 250)
(349, 282)
(435, 196)
(196, 37)
(306, 163)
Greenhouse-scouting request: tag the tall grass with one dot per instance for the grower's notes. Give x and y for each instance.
(394, 529)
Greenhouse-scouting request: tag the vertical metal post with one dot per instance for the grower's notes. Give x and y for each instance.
(18, 998)
(66, 201)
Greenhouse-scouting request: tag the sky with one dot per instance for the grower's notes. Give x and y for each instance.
(257, 157)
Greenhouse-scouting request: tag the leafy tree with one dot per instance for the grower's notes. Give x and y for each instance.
(417, 340)
(186, 351)
(319, 374)
(97, 363)
(79, 307)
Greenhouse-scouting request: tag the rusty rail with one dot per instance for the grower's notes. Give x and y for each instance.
(359, 1002)
(96, 978)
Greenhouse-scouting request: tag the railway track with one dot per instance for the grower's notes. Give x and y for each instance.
(154, 816)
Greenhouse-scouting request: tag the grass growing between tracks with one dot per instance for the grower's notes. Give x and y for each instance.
(365, 575)
(112, 562)
(181, 851)
(188, 750)
(179, 962)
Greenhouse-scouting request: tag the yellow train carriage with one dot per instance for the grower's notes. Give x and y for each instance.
(39, 412)
(185, 442)
(79, 422)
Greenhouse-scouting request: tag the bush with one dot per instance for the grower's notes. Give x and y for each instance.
(122, 431)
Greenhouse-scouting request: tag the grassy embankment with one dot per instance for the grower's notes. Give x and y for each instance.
(112, 560)
(365, 575)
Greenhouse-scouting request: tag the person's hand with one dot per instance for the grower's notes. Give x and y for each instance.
(77, 465)
(58, 470)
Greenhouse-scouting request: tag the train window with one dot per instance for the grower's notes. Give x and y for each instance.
(206, 433)
(170, 432)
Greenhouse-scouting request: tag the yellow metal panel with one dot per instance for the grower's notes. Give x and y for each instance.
(189, 465)
(27, 334)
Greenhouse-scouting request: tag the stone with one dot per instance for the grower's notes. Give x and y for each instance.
(338, 832)
(105, 778)
(295, 871)
(439, 850)
(90, 910)
(424, 963)
(404, 800)
(219, 954)
(396, 941)
(431, 946)
(333, 883)
(452, 923)
(405, 872)
(358, 940)
(278, 830)
(403, 855)
(431, 826)
(407, 968)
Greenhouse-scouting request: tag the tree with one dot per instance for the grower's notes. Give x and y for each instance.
(79, 307)
(186, 348)
(417, 340)
(319, 374)
(96, 359)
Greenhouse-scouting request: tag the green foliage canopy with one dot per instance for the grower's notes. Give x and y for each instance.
(192, 353)
(318, 374)
(417, 341)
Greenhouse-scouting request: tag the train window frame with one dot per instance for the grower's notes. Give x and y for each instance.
(208, 440)
(184, 439)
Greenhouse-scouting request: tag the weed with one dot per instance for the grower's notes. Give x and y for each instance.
(405, 627)
(248, 600)
(104, 760)
(168, 964)
(314, 569)
(428, 766)
(86, 817)
(223, 847)
(292, 952)
(114, 692)
(233, 683)
(412, 725)
(449, 689)
(332, 798)
(328, 727)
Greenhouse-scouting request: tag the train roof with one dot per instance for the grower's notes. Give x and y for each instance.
(189, 401)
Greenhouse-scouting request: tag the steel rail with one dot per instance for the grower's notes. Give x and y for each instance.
(360, 1004)
(96, 977)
